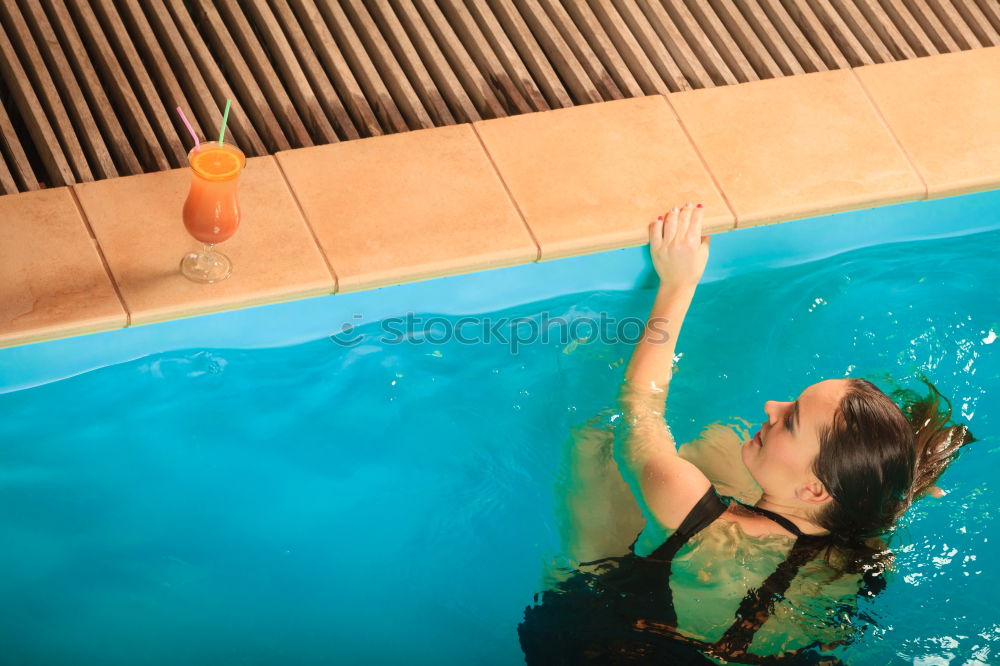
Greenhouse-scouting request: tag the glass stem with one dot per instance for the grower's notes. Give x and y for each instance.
(205, 260)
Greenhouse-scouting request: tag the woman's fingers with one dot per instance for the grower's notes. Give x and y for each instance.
(694, 229)
(670, 226)
(656, 233)
(684, 223)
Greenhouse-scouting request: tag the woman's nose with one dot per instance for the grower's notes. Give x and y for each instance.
(773, 410)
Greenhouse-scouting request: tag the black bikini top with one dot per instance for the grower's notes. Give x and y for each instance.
(786, 523)
(647, 578)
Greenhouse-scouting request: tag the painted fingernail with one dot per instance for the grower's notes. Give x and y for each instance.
(660, 217)
(699, 205)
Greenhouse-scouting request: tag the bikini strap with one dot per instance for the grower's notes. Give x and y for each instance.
(778, 518)
(758, 604)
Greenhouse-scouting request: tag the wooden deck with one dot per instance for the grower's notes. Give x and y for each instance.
(89, 87)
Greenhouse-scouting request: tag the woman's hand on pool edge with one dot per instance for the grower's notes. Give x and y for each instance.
(678, 248)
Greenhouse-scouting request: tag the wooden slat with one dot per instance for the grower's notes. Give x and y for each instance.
(476, 43)
(45, 88)
(325, 47)
(203, 109)
(57, 169)
(815, 32)
(908, 26)
(301, 93)
(237, 28)
(865, 35)
(678, 75)
(693, 41)
(956, 26)
(792, 34)
(71, 95)
(462, 106)
(93, 86)
(628, 46)
(391, 72)
(481, 93)
(146, 43)
(773, 39)
(560, 19)
(265, 98)
(889, 35)
(506, 53)
(744, 47)
(318, 79)
(7, 184)
(207, 88)
(140, 133)
(847, 43)
(532, 54)
(19, 166)
(590, 27)
(361, 63)
(978, 21)
(572, 73)
(410, 62)
(148, 96)
(991, 10)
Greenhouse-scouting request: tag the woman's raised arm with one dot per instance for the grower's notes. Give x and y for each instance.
(679, 253)
(666, 485)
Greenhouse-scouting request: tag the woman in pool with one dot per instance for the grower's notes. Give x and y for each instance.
(747, 552)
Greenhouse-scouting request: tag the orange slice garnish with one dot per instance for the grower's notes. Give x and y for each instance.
(216, 163)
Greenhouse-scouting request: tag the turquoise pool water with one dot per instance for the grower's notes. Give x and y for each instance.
(292, 500)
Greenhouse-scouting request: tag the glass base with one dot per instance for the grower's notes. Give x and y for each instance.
(206, 266)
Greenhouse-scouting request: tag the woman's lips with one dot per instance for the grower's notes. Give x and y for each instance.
(757, 440)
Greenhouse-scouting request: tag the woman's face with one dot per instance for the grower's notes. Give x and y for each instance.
(781, 453)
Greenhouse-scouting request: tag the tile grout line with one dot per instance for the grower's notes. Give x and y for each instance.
(885, 123)
(510, 195)
(312, 232)
(100, 254)
(704, 162)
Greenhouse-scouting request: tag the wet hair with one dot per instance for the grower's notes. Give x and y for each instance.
(876, 458)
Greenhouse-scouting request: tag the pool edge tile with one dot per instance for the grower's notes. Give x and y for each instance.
(592, 177)
(442, 211)
(433, 271)
(166, 315)
(787, 158)
(57, 282)
(273, 252)
(60, 332)
(920, 100)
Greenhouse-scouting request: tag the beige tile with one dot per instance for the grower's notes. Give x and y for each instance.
(52, 281)
(137, 221)
(944, 110)
(592, 177)
(797, 146)
(407, 207)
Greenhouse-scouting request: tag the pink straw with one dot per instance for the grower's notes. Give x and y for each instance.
(197, 143)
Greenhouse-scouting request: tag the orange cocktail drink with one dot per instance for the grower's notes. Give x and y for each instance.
(212, 210)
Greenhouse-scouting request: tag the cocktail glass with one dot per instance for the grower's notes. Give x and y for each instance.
(212, 211)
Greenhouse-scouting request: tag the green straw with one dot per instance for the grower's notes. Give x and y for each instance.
(225, 117)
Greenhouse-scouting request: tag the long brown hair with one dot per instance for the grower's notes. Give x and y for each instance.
(876, 458)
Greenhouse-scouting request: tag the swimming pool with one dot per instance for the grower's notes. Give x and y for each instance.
(245, 488)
